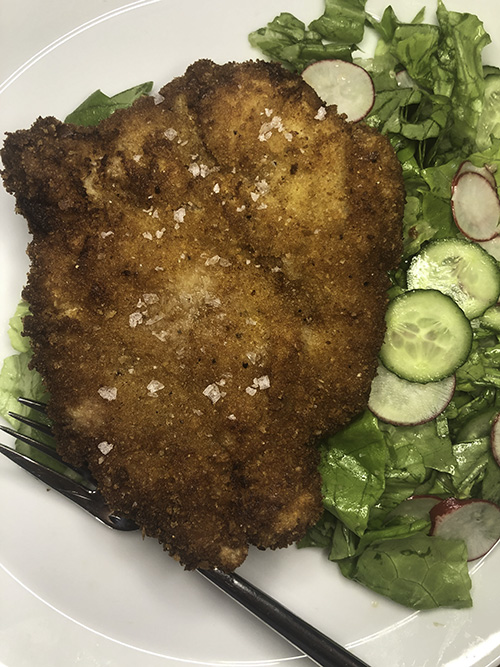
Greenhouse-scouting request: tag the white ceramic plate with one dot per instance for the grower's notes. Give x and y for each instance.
(73, 592)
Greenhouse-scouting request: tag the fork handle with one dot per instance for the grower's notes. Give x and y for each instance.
(317, 646)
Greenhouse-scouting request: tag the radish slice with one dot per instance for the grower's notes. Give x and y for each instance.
(346, 85)
(405, 403)
(476, 522)
(495, 438)
(404, 80)
(492, 247)
(417, 507)
(468, 167)
(476, 206)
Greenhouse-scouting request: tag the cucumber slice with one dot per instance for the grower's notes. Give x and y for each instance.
(427, 338)
(460, 269)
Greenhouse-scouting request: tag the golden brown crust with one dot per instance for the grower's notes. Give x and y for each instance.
(208, 292)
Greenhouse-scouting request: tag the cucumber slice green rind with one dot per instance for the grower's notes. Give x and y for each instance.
(462, 270)
(491, 319)
(427, 338)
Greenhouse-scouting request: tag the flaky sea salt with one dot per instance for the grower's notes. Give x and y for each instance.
(321, 115)
(134, 319)
(180, 214)
(105, 447)
(217, 259)
(213, 392)
(153, 387)
(161, 335)
(194, 169)
(170, 133)
(108, 393)
(150, 298)
(262, 383)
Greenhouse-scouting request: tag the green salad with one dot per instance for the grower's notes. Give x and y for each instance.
(437, 103)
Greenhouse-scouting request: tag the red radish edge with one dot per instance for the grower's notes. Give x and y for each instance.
(476, 522)
(495, 438)
(403, 403)
(346, 85)
(404, 80)
(476, 215)
(467, 167)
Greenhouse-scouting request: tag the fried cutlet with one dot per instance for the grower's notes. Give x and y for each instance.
(207, 287)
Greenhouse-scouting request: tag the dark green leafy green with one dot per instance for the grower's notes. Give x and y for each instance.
(333, 35)
(418, 571)
(99, 106)
(352, 468)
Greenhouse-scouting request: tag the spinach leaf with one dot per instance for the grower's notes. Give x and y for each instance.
(99, 106)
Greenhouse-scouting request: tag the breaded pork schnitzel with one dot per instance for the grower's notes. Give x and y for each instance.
(207, 292)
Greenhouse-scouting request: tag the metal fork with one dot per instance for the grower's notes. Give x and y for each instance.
(82, 489)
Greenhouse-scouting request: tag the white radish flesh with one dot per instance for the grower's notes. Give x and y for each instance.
(492, 247)
(476, 522)
(404, 80)
(405, 403)
(476, 206)
(495, 438)
(468, 167)
(346, 85)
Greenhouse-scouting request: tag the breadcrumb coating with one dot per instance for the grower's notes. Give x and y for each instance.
(207, 287)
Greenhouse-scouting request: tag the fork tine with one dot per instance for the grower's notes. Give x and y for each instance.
(89, 499)
(41, 446)
(35, 405)
(57, 480)
(43, 428)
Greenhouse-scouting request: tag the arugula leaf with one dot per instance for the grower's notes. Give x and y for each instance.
(99, 106)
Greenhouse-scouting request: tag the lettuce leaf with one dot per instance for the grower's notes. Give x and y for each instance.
(417, 571)
(333, 35)
(352, 468)
(16, 378)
